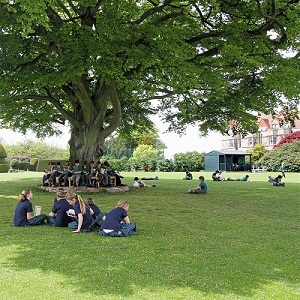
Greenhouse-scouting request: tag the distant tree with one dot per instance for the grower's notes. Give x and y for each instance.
(257, 152)
(124, 144)
(295, 136)
(192, 161)
(145, 157)
(167, 166)
(288, 153)
(39, 150)
(118, 164)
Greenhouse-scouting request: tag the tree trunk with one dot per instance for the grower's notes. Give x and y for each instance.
(94, 119)
(86, 144)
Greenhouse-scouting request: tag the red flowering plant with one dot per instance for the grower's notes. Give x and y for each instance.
(295, 136)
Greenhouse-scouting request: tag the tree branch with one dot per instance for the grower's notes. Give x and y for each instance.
(80, 90)
(152, 11)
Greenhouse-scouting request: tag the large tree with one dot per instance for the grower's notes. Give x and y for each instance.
(98, 64)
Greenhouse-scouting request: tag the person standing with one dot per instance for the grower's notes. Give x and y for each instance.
(282, 169)
(23, 211)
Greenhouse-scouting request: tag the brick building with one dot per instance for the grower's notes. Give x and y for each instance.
(270, 131)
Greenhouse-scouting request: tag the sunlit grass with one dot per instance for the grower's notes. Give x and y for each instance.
(240, 241)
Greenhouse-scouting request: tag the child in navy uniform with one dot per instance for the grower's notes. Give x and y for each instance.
(84, 221)
(117, 223)
(58, 216)
(97, 215)
(23, 211)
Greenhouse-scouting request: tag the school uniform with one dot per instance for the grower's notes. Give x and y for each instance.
(68, 173)
(56, 172)
(60, 208)
(93, 171)
(77, 171)
(98, 215)
(88, 221)
(85, 175)
(20, 215)
(112, 224)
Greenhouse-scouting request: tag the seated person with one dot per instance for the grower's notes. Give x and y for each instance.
(137, 183)
(201, 189)
(214, 175)
(113, 173)
(246, 178)
(98, 215)
(277, 181)
(219, 176)
(47, 173)
(188, 175)
(116, 223)
(58, 216)
(77, 173)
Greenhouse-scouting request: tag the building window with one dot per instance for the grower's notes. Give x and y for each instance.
(231, 143)
(273, 140)
(250, 142)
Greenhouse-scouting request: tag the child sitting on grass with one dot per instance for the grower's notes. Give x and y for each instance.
(23, 211)
(117, 223)
(138, 183)
(97, 215)
(201, 189)
(58, 216)
(84, 221)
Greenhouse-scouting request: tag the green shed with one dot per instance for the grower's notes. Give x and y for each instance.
(227, 160)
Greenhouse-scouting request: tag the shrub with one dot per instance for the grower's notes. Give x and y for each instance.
(23, 166)
(14, 163)
(4, 168)
(34, 161)
(33, 164)
(288, 153)
(3, 154)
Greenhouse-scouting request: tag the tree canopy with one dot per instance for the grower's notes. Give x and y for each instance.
(103, 65)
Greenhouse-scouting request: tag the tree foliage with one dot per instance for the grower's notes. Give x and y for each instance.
(257, 152)
(145, 157)
(124, 144)
(192, 161)
(295, 136)
(98, 65)
(288, 153)
(36, 150)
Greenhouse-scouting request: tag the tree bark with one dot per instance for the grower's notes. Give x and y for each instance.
(95, 118)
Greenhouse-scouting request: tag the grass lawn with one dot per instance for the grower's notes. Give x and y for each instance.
(240, 241)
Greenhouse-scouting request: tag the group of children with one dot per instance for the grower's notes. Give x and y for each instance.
(70, 210)
(85, 174)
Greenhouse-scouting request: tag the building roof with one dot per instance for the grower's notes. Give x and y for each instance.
(266, 121)
(229, 152)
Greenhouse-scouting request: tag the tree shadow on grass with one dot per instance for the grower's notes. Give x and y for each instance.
(168, 259)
